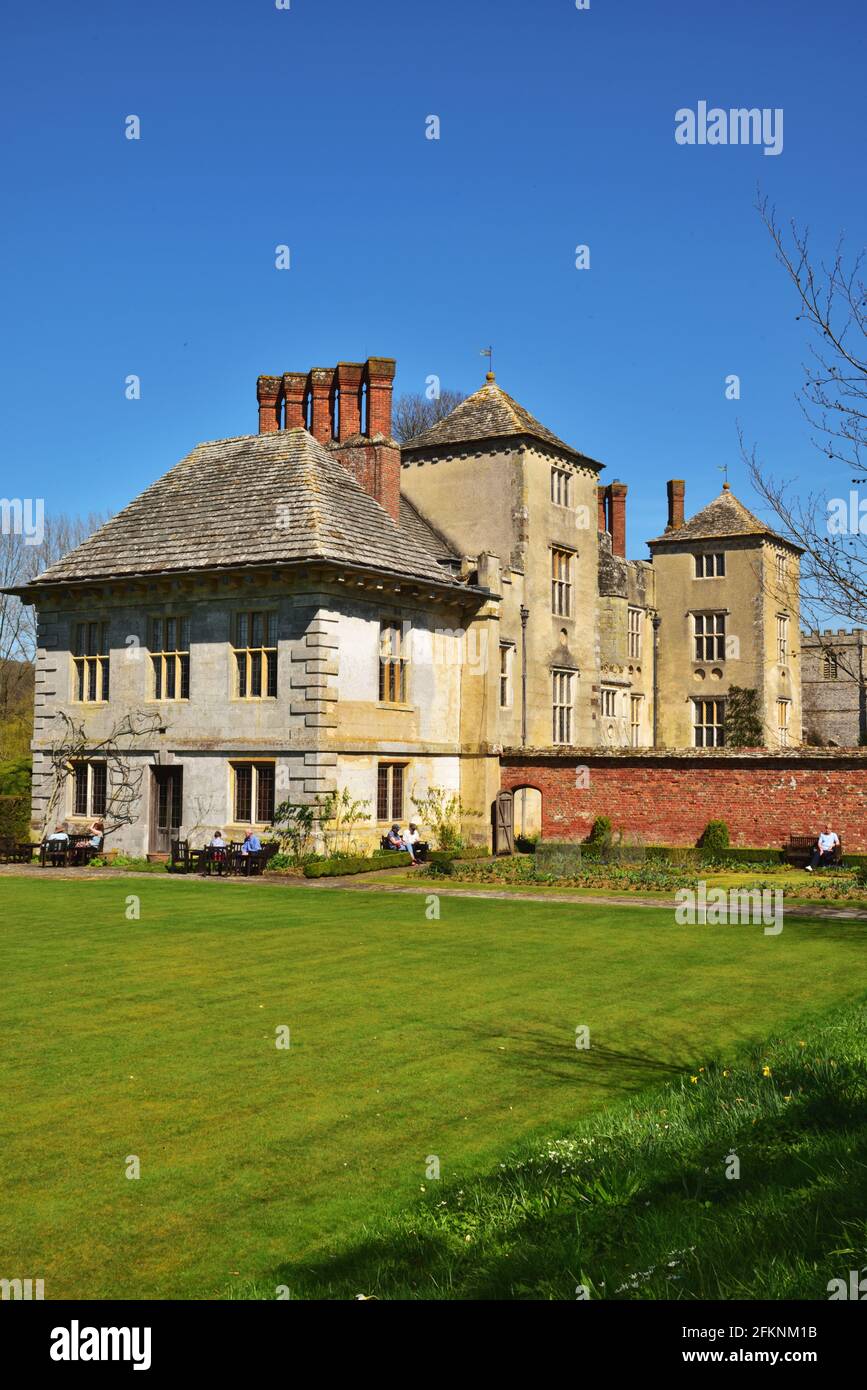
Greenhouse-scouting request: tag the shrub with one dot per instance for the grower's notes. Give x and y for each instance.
(15, 817)
(290, 861)
(715, 838)
(601, 836)
(443, 866)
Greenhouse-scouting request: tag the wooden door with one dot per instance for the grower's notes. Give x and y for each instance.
(166, 807)
(504, 838)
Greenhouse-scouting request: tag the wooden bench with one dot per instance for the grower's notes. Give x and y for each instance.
(16, 851)
(75, 850)
(799, 850)
(421, 850)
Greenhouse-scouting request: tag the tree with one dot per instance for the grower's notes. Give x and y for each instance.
(20, 563)
(415, 413)
(832, 300)
(124, 773)
(742, 726)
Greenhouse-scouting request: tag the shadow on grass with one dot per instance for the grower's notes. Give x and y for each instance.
(540, 1052)
(646, 1221)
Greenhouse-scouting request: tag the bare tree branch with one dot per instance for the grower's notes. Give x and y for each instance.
(414, 413)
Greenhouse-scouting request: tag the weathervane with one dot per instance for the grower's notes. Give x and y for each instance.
(724, 469)
(489, 353)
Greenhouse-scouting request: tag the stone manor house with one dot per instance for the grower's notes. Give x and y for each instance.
(315, 607)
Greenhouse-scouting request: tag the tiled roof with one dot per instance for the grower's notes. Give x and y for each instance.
(489, 413)
(418, 526)
(258, 499)
(724, 516)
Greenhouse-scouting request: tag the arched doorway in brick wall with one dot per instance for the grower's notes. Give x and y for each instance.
(527, 812)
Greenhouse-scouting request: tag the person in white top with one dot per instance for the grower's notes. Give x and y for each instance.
(411, 838)
(826, 844)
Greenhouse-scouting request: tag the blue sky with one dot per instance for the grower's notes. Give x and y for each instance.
(306, 127)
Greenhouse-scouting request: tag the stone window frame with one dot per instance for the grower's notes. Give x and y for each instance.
(561, 486)
(170, 663)
(506, 675)
(255, 662)
(709, 643)
(634, 618)
(608, 698)
(830, 666)
(562, 706)
(390, 791)
(89, 794)
(91, 661)
(256, 767)
(394, 665)
(783, 639)
(716, 723)
(784, 713)
(561, 580)
(710, 564)
(636, 710)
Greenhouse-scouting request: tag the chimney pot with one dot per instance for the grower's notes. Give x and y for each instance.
(379, 372)
(294, 394)
(269, 391)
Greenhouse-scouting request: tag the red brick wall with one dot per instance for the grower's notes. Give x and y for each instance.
(669, 798)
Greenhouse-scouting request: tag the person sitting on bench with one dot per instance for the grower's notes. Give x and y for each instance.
(824, 853)
(58, 837)
(396, 839)
(411, 839)
(97, 834)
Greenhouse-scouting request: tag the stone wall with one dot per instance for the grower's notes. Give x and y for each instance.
(668, 797)
(834, 682)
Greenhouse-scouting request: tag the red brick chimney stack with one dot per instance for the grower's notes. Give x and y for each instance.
(321, 418)
(617, 512)
(349, 380)
(380, 381)
(676, 489)
(601, 497)
(372, 457)
(269, 391)
(295, 396)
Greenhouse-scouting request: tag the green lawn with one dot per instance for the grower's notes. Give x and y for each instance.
(156, 1038)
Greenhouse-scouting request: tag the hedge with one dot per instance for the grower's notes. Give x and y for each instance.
(450, 856)
(335, 868)
(735, 855)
